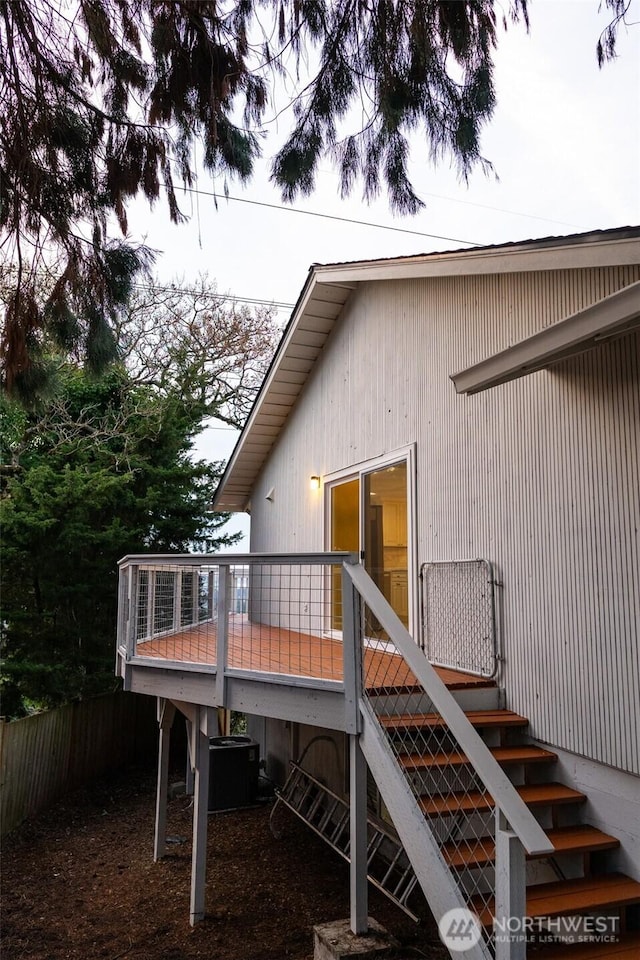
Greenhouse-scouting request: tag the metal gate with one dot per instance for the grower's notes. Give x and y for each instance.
(458, 615)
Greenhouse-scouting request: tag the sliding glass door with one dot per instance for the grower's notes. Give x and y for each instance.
(344, 508)
(369, 514)
(386, 535)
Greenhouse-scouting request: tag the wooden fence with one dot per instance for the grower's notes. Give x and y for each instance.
(44, 756)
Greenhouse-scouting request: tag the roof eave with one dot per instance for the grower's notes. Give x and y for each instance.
(530, 256)
(311, 322)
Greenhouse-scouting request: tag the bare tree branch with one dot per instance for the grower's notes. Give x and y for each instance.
(199, 346)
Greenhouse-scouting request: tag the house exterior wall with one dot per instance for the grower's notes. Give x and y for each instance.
(541, 476)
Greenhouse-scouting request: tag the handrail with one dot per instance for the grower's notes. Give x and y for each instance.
(522, 821)
(238, 559)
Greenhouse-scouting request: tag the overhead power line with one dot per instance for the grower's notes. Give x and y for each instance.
(329, 216)
(483, 206)
(280, 305)
(511, 213)
(254, 301)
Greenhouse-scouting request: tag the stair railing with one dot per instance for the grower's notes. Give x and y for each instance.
(455, 809)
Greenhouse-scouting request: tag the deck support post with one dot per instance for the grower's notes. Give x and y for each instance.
(188, 776)
(510, 908)
(352, 652)
(202, 729)
(166, 713)
(358, 838)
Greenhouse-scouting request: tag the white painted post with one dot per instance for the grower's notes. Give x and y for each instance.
(133, 582)
(166, 713)
(123, 608)
(351, 652)
(358, 841)
(200, 811)
(188, 780)
(511, 893)
(358, 837)
(224, 604)
(177, 600)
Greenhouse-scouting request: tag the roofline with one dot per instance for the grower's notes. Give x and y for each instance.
(287, 337)
(595, 249)
(599, 248)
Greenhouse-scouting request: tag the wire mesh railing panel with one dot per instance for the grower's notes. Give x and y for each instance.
(174, 613)
(188, 586)
(141, 628)
(288, 625)
(459, 615)
(457, 807)
(279, 617)
(164, 600)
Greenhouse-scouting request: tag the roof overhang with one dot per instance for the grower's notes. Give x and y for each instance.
(556, 253)
(611, 317)
(316, 312)
(326, 292)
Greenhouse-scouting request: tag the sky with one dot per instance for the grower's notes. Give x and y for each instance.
(564, 141)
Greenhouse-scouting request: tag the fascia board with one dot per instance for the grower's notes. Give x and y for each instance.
(526, 259)
(278, 380)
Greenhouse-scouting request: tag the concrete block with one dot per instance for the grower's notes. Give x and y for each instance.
(177, 789)
(335, 941)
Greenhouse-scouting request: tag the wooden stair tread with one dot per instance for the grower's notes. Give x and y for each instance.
(580, 839)
(534, 795)
(568, 897)
(627, 948)
(504, 756)
(433, 721)
(565, 897)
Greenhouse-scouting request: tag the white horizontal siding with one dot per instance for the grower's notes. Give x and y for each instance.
(541, 476)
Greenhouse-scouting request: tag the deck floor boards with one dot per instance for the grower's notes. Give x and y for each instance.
(260, 647)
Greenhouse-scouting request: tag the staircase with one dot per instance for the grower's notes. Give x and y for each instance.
(477, 809)
(570, 883)
(573, 881)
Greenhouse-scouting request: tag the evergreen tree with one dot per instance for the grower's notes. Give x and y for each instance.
(104, 471)
(103, 100)
(104, 467)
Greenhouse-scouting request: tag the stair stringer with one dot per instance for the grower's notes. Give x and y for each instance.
(436, 880)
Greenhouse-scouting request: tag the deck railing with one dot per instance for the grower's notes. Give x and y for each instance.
(273, 613)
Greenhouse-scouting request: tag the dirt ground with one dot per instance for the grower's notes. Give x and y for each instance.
(79, 883)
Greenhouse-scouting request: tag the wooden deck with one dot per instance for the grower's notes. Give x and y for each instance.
(255, 646)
